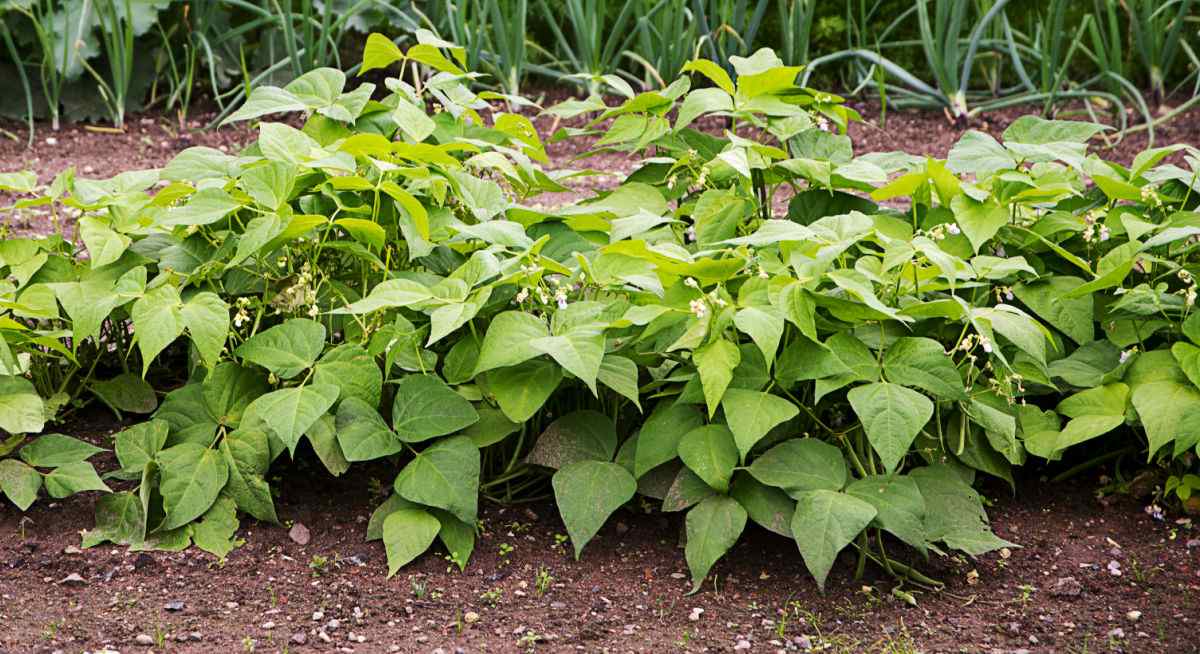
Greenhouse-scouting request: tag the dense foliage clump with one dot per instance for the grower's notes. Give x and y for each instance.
(381, 284)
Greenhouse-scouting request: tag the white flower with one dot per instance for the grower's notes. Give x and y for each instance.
(953, 228)
(987, 345)
(1125, 354)
(560, 298)
(699, 308)
(690, 234)
(313, 311)
(1104, 233)
(1114, 568)
(691, 282)
(762, 273)
(522, 296)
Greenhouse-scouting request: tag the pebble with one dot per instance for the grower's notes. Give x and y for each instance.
(50, 140)
(742, 645)
(324, 637)
(1134, 616)
(333, 624)
(803, 642)
(318, 616)
(299, 638)
(71, 549)
(299, 534)
(174, 605)
(470, 617)
(1116, 633)
(145, 640)
(268, 625)
(231, 605)
(1066, 587)
(677, 575)
(72, 579)
(694, 616)
(558, 606)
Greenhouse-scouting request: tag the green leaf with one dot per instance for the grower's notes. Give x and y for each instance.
(270, 184)
(287, 349)
(389, 506)
(764, 327)
(579, 352)
(1073, 316)
(578, 436)
(227, 391)
(658, 440)
(715, 363)
(979, 220)
(457, 536)
(379, 52)
(899, 506)
(801, 464)
(685, 490)
(265, 100)
(362, 434)
(979, 154)
(191, 477)
(493, 427)
(157, 321)
(323, 437)
(425, 407)
(751, 414)
(247, 455)
(954, 512)
(119, 520)
(712, 71)
(824, 523)
(104, 245)
(444, 475)
(139, 444)
(769, 507)
(71, 478)
(289, 412)
(389, 294)
(1188, 358)
(509, 339)
(922, 363)
(19, 482)
(126, 392)
(214, 532)
(587, 493)
(522, 389)
(710, 452)
(621, 375)
(204, 207)
(50, 450)
(206, 317)
(407, 533)
(354, 371)
(892, 416)
(1169, 410)
(712, 527)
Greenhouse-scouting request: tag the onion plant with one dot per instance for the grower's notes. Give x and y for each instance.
(589, 44)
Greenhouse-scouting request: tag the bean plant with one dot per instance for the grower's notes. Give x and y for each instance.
(756, 327)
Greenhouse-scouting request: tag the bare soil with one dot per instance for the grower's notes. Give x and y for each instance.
(1059, 592)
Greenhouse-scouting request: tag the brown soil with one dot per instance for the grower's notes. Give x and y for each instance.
(1054, 594)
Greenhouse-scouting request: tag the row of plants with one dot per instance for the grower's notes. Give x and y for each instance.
(78, 57)
(382, 285)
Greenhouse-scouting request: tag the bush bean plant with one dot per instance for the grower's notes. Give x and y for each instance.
(756, 326)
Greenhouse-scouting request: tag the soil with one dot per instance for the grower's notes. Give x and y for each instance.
(1058, 592)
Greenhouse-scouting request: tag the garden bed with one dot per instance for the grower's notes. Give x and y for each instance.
(1060, 591)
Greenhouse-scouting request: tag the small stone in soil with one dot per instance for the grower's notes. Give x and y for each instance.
(742, 645)
(144, 639)
(174, 605)
(318, 616)
(72, 579)
(1066, 587)
(299, 638)
(1134, 616)
(299, 534)
(470, 617)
